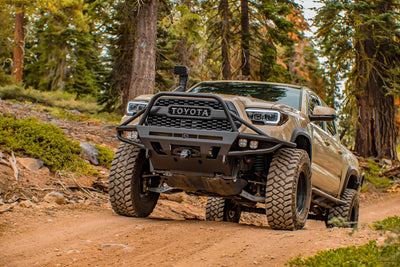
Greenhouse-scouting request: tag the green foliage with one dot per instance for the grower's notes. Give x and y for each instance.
(369, 254)
(54, 99)
(339, 222)
(6, 30)
(372, 176)
(68, 56)
(44, 141)
(391, 223)
(105, 156)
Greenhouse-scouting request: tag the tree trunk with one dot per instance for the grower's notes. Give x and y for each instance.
(225, 45)
(376, 128)
(144, 56)
(18, 57)
(244, 22)
(123, 66)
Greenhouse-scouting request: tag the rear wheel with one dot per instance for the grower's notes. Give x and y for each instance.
(129, 179)
(288, 189)
(220, 209)
(349, 212)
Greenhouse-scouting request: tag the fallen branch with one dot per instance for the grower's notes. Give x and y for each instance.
(394, 171)
(2, 161)
(87, 188)
(13, 162)
(80, 187)
(9, 208)
(63, 186)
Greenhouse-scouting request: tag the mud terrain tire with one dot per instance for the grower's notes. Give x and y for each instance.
(349, 211)
(288, 190)
(128, 195)
(219, 209)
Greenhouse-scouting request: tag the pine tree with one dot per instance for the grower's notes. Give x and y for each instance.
(361, 40)
(144, 54)
(6, 31)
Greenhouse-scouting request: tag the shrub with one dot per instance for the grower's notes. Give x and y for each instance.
(54, 99)
(391, 223)
(105, 156)
(372, 176)
(44, 141)
(369, 254)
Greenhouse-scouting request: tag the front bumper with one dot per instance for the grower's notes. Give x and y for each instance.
(211, 151)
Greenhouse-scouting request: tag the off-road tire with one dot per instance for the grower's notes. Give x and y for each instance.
(219, 209)
(215, 209)
(126, 184)
(288, 189)
(349, 211)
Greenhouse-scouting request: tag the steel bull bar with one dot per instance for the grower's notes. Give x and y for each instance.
(230, 116)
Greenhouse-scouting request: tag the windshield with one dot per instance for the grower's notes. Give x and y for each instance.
(269, 92)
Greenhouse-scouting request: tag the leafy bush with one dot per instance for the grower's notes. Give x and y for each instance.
(105, 156)
(369, 254)
(391, 223)
(55, 99)
(5, 79)
(44, 141)
(372, 176)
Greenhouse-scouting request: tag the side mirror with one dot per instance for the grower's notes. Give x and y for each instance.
(323, 114)
(183, 73)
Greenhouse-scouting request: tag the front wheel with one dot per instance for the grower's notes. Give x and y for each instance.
(129, 179)
(288, 189)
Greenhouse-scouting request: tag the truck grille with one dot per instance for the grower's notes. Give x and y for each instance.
(161, 120)
(164, 121)
(165, 102)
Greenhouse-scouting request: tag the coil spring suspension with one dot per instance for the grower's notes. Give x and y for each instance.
(259, 163)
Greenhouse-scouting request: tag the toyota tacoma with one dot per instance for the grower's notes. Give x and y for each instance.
(260, 147)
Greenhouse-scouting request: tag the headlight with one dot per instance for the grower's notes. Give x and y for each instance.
(135, 106)
(266, 116)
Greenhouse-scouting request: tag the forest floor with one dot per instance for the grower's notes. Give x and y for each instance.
(84, 231)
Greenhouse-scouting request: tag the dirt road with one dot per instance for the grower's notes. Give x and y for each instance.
(97, 237)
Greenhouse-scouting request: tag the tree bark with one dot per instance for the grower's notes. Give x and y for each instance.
(123, 66)
(376, 128)
(144, 56)
(225, 45)
(244, 22)
(19, 44)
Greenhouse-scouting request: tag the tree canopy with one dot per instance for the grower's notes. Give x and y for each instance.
(96, 48)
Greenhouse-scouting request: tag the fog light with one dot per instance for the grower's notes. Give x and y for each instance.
(132, 135)
(242, 142)
(253, 144)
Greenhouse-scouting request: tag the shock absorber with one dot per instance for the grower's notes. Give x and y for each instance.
(259, 163)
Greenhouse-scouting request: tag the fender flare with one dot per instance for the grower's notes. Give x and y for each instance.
(357, 183)
(300, 132)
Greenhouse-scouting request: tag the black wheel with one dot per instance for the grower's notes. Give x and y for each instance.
(288, 189)
(129, 179)
(232, 211)
(219, 209)
(349, 212)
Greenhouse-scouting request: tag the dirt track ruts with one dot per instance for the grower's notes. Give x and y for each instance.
(98, 237)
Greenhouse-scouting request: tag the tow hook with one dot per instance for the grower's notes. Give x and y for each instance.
(186, 153)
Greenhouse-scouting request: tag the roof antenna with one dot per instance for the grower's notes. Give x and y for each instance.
(183, 73)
